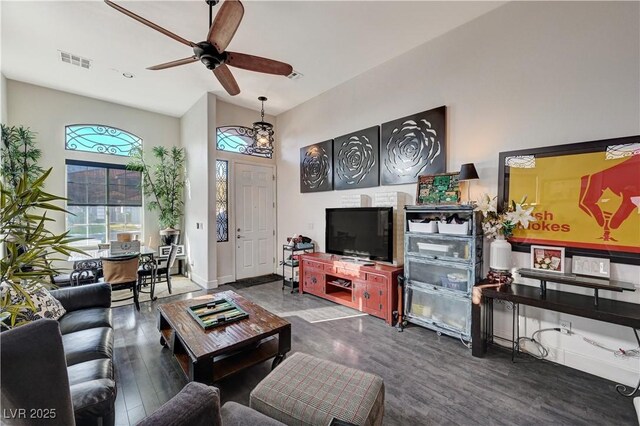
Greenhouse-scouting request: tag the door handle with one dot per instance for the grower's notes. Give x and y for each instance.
(238, 229)
(239, 236)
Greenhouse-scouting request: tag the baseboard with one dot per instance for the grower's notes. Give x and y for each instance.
(597, 366)
(226, 279)
(205, 284)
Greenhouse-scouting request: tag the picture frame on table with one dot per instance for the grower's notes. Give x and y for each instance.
(548, 259)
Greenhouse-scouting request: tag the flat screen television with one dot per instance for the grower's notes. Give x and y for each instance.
(363, 232)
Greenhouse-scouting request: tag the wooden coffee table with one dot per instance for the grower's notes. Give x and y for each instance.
(208, 356)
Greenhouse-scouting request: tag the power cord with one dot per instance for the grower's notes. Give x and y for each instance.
(542, 351)
(620, 352)
(466, 344)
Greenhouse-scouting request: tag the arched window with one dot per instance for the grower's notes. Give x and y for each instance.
(238, 139)
(100, 139)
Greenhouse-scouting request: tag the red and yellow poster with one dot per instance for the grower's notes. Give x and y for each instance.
(589, 200)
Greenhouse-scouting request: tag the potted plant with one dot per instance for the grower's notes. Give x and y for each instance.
(19, 156)
(27, 242)
(163, 183)
(499, 226)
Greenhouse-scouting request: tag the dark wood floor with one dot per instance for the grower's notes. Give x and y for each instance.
(428, 379)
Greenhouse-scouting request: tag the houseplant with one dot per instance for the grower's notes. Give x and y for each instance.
(19, 156)
(163, 182)
(24, 218)
(499, 227)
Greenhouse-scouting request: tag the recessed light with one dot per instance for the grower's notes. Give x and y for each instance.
(127, 75)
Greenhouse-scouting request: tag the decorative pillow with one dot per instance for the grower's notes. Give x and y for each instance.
(46, 305)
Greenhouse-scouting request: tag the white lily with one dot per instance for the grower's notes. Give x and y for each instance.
(486, 205)
(521, 216)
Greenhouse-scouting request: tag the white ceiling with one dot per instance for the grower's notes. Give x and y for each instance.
(329, 42)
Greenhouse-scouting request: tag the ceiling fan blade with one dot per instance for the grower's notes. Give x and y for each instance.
(149, 23)
(171, 64)
(225, 24)
(257, 63)
(223, 73)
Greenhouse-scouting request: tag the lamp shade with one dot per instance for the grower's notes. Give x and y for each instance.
(468, 172)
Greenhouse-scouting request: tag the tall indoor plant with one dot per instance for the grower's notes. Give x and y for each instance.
(163, 183)
(19, 156)
(27, 242)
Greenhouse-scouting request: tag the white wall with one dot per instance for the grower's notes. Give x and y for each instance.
(194, 135)
(48, 111)
(232, 115)
(524, 75)
(3, 99)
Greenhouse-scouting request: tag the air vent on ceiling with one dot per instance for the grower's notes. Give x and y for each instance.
(76, 60)
(295, 75)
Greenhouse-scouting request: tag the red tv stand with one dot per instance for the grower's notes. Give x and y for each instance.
(369, 289)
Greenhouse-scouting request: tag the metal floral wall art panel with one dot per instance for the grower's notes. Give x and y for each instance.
(356, 162)
(316, 168)
(412, 146)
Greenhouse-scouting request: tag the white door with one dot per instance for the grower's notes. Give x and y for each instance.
(255, 221)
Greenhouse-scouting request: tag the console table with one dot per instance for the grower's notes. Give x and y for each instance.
(372, 289)
(578, 281)
(611, 311)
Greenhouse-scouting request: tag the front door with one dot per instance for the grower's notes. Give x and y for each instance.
(255, 220)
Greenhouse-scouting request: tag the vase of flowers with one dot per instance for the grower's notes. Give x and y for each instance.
(499, 227)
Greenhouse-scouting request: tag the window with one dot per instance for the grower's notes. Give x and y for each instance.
(238, 139)
(104, 199)
(100, 139)
(222, 200)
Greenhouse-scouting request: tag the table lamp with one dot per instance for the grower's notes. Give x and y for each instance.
(468, 173)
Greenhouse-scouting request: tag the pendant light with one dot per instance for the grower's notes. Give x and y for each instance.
(263, 134)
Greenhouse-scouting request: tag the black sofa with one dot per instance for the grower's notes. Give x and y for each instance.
(87, 339)
(34, 380)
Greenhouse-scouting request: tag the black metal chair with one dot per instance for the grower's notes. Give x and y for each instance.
(122, 272)
(81, 277)
(86, 272)
(152, 269)
(147, 275)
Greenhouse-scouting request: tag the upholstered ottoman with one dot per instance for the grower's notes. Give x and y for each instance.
(305, 390)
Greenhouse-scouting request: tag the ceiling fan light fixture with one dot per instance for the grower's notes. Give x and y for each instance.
(263, 133)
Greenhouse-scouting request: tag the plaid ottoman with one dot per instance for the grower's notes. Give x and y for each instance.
(305, 390)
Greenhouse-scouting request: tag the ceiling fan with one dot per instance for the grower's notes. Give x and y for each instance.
(212, 52)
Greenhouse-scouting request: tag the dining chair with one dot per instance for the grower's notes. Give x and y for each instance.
(93, 265)
(147, 275)
(153, 269)
(122, 272)
(84, 272)
(165, 265)
(81, 277)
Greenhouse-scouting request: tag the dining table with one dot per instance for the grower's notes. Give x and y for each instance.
(98, 254)
(87, 266)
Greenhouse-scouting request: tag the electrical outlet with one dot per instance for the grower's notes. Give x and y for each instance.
(565, 327)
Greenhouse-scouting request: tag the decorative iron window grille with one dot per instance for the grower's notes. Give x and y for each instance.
(222, 200)
(238, 139)
(100, 139)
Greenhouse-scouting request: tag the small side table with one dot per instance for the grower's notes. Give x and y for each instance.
(290, 265)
